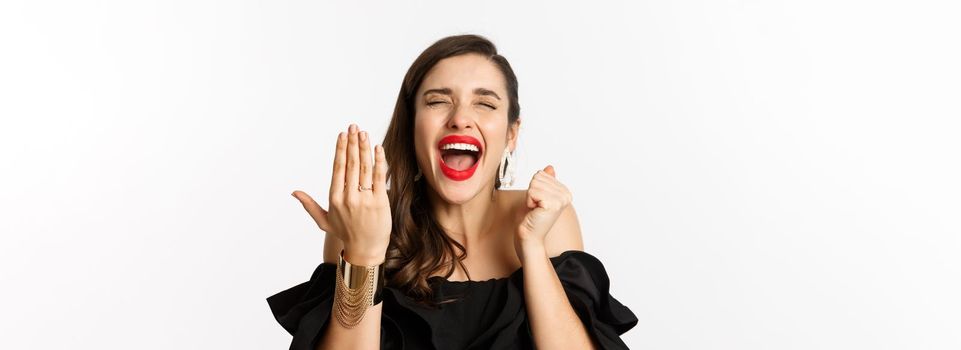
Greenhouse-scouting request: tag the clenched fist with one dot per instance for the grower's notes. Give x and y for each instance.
(547, 198)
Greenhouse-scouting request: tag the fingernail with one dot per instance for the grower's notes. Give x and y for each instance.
(363, 136)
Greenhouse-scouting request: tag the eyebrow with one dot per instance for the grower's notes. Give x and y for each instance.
(477, 91)
(483, 91)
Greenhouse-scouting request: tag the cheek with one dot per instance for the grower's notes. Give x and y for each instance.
(495, 132)
(421, 146)
(495, 149)
(425, 132)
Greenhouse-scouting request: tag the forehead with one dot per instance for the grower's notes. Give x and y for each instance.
(464, 73)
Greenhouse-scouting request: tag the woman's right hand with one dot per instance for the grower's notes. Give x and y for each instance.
(360, 219)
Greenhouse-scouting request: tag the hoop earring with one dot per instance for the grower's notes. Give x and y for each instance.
(507, 168)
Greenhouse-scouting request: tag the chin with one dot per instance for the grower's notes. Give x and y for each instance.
(459, 192)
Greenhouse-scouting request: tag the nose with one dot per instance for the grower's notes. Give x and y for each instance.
(462, 119)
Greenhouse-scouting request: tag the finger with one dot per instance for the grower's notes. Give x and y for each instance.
(380, 170)
(366, 165)
(542, 185)
(545, 178)
(547, 175)
(532, 194)
(541, 176)
(340, 166)
(550, 193)
(550, 170)
(315, 210)
(545, 182)
(353, 160)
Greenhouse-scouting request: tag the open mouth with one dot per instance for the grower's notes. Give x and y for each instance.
(459, 155)
(459, 160)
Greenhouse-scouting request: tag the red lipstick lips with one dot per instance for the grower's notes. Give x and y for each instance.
(454, 174)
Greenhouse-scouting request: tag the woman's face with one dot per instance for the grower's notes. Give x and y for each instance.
(463, 95)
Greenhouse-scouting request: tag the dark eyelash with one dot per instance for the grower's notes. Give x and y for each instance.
(434, 102)
(488, 105)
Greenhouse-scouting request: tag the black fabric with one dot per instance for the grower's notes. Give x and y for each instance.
(489, 315)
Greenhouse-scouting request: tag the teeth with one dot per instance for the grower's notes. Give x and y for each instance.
(460, 146)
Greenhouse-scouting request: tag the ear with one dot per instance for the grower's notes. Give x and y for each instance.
(512, 131)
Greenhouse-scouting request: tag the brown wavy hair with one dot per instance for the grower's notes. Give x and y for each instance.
(418, 245)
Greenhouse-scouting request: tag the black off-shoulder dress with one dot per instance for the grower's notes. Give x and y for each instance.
(488, 315)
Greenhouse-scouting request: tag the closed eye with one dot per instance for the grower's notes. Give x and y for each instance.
(488, 105)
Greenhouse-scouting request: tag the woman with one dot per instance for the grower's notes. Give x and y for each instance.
(442, 258)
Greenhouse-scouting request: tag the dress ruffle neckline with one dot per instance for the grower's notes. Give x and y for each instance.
(488, 314)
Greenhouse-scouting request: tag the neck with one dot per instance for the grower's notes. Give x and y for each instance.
(466, 222)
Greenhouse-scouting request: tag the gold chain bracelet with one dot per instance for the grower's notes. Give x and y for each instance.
(358, 288)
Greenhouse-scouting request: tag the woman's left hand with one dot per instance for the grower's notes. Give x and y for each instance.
(547, 198)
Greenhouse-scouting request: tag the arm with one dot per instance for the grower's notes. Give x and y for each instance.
(553, 321)
(359, 222)
(365, 335)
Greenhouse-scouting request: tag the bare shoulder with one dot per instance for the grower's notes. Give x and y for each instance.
(564, 235)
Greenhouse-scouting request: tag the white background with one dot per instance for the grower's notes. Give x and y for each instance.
(753, 174)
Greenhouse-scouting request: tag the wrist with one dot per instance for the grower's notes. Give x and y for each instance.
(530, 248)
(358, 288)
(365, 256)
